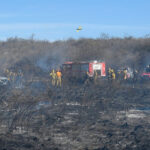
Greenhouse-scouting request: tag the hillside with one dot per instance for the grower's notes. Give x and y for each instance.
(115, 51)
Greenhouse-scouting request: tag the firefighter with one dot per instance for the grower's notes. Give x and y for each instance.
(7, 74)
(119, 72)
(53, 76)
(148, 68)
(59, 74)
(88, 77)
(10, 75)
(19, 78)
(88, 74)
(95, 76)
(14, 76)
(113, 75)
(6, 71)
(125, 74)
(109, 73)
(135, 75)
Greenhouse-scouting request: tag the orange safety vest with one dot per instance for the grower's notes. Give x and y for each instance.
(58, 74)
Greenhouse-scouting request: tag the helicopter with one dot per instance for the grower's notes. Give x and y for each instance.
(79, 28)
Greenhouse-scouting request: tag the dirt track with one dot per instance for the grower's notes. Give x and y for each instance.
(77, 117)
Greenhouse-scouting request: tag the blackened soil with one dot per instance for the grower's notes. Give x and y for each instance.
(76, 117)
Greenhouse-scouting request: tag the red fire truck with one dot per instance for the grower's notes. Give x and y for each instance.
(82, 70)
(146, 73)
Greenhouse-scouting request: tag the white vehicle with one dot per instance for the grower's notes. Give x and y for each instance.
(3, 81)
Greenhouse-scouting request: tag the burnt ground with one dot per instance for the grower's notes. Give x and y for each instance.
(105, 116)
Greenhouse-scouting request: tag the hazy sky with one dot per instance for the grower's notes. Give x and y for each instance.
(58, 19)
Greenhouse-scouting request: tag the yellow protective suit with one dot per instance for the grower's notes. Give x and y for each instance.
(53, 77)
(59, 74)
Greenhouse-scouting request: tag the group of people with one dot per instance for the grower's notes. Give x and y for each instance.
(13, 76)
(120, 74)
(123, 74)
(56, 77)
(111, 74)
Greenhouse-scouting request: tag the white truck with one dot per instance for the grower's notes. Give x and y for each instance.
(4, 80)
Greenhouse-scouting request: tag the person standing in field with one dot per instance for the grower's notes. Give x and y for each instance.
(53, 77)
(59, 75)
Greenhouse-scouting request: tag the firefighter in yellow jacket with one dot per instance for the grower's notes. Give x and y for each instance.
(110, 74)
(7, 74)
(59, 74)
(53, 76)
(113, 75)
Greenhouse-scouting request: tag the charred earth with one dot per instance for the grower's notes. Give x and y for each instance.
(106, 116)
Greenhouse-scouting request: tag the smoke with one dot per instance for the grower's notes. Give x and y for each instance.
(53, 58)
(42, 63)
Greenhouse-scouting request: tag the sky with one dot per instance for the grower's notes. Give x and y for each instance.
(58, 19)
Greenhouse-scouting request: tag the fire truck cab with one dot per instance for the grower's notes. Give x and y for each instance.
(146, 73)
(82, 70)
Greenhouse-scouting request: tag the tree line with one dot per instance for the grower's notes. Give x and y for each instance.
(116, 52)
